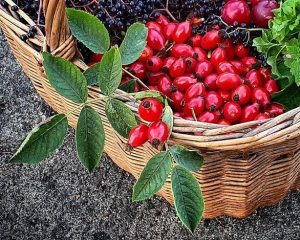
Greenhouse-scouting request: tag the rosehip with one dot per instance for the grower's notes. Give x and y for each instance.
(262, 12)
(262, 116)
(236, 11)
(242, 94)
(271, 86)
(242, 68)
(177, 98)
(226, 67)
(162, 20)
(154, 25)
(178, 68)
(249, 113)
(249, 61)
(158, 133)
(195, 41)
(182, 50)
(228, 46)
(154, 77)
(156, 40)
(196, 90)
(232, 112)
(254, 79)
(165, 85)
(150, 109)
(169, 30)
(210, 40)
(138, 69)
(199, 54)
(209, 117)
(138, 136)
(265, 72)
(154, 64)
(228, 81)
(261, 96)
(213, 101)
(211, 81)
(147, 53)
(197, 104)
(183, 83)
(241, 51)
(225, 95)
(275, 109)
(218, 55)
(190, 64)
(183, 32)
(203, 69)
(167, 63)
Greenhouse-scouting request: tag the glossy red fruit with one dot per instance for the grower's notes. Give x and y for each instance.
(218, 55)
(262, 116)
(265, 72)
(203, 69)
(210, 40)
(228, 46)
(261, 96)
(232, 112)
(211, 81)
(154, 77)
(96, 57)
(242, 94)
(156, 40)
(190, 64)
(226, 67)
(154, 64)
(250, 112)
(224, 122)
(178, 68)
(165, 85)
(167, 63)
(241, 51)
(183, 32)
(154, 25)
(169, 30)
(228, 81)
(177, 98)
(195, 41)
(138, 69)
(213, 101)
(272, 86)
(196, 90)
(236, 11)
(183, 83)
(199, 54)
(275, 109)
(138, 136)
(158, 133)
(182, 50)
(225, 95)
(147, 53)
(162, 20)
(262, 12)
(249, 61)
(197, 104)
(254, 79)
(150, 109)
(242, 68)
(209, 117)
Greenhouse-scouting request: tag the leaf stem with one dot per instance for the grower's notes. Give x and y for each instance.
(136, 78)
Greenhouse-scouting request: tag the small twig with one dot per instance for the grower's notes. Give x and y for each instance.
(40, 12)
(136, 78)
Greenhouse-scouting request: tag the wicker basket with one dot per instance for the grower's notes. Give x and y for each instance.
(249, 168)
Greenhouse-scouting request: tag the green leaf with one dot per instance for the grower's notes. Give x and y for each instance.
(152, 177)
(190, 160)
(168, 118)
(128, 86)
(110, 71)
(149, 94)
(188, 200)
(120, 117)
(88, 30)
(133, 43)
(289, 97)
(65, 78)
(90, 138)
(92, 74)
(42, 141)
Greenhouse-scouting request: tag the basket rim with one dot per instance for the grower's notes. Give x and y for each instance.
(241, 136)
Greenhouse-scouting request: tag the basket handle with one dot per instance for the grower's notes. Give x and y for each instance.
(59, 38)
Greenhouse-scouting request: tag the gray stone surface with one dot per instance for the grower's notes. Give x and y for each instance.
(59, 200)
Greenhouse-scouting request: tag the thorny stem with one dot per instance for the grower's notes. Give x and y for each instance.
(136, 78)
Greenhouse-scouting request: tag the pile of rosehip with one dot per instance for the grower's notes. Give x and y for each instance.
(205, 78)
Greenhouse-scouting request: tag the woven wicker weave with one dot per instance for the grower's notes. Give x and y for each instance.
(246, 166)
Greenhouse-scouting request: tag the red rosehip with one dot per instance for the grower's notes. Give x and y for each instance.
(183, 32)
(177, 98)
(236, 11)
(262, 12)
(195, 41)
(249, 61)
(182, 50)
(158, 133)
(275, 109)
(272, 86)
(169, 30)
(197, 104)
(203, 69)
(226, 67)
(167, 63)
(162, 20)
(210, 40)
(211, 81)
(241, 51)
(261, 96)
(138, 69)
(242, 94)
(154, 64)
(225, 95)
(254, 79)
(218, 55)
(190, 64)
(165, 85)
(265, 72)
(96, 57)
(154, 25)
(183, 83)
(249, 113)
(150, 109)
(262, 116)
(228, 81)
(147, 53)
(154, 77)
(209, 117)
(138, 136)
(178, 68)
(156, 40)
(199, 54)
(224, 122)
(232, 112)
(242, 68)
(196, 90)
(213, 101)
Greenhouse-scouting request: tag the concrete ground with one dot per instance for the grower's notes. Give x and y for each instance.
(59, 200)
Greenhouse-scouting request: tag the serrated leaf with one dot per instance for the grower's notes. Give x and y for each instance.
(110, 71)
(188, 200)
(88, 30)
(168, 118)
(92, 74)
(149, 94)
(120, 117)
(190, 160)
(128, 86)
(90, 138)
(152, 177)
(133, 43)
(65, 78)
(42, 141)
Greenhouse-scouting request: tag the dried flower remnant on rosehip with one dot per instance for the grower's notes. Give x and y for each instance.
(158, 133)
(150, 110)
